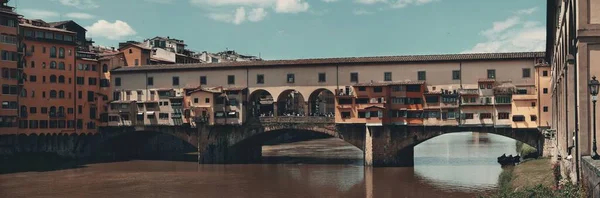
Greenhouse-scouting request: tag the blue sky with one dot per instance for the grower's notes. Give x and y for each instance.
(289, 29)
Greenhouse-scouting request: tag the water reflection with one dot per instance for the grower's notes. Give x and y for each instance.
(462, 161)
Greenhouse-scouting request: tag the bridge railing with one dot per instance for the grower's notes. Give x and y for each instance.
(298, 119)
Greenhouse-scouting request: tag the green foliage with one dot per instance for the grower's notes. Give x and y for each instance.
(525, 150)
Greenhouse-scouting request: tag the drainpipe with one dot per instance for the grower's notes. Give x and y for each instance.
(575, 85)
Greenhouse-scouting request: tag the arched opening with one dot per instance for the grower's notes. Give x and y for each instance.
(261, 104)
(61, 94)
(53, 94)
(291, 103)
(61, 52)
(104, 68)
(61, 79)
(150, 145)
(61, 65)
(53, 65)
(321, 103)
(52, 78)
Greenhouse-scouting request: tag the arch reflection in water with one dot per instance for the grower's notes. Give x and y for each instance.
(462, 161)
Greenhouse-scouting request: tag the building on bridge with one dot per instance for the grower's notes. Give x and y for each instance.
(429, 90)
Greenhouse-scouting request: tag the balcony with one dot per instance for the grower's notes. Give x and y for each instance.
(57, 115)
(201, 119)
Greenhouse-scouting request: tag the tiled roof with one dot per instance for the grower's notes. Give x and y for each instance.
(45, 28)
(234, 88)
(344, 60)
(386, 83)
(469, 91)
(58, 23)
(371, 84)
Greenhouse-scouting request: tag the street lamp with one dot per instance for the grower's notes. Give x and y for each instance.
(594, 85)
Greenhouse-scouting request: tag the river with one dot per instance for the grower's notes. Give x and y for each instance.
(452, 165)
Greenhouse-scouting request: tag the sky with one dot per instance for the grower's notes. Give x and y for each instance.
(293, 29)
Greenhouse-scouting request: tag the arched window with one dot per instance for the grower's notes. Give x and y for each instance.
(61, 110)
(32, 64)
(61, 52)
(44, 65)
(61, 65)
(61, 94)
(23, 111)
(52, 111)
(104, 68)
(52, 94)
(24, 93)
(52, 65)
(53, 52)
(61, 79)
(52, 79)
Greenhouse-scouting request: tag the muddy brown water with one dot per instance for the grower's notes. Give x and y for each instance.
(453, 165)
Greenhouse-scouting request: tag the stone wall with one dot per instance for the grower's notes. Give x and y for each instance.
(591, 176)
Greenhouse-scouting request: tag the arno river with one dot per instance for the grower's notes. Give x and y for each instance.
(453, 165)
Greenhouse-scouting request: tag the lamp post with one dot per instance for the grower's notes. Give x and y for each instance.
(594, 86)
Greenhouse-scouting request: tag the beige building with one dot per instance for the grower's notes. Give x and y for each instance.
(573, 52)
(457, 89)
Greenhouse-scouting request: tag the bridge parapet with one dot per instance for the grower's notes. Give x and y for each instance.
(298, 119)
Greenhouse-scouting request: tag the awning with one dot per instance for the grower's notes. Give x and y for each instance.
(232, 113)
(150, 112)
(140, 113)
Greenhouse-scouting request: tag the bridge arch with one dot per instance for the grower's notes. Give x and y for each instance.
(291, 102)
(261, 103)
(321, 102)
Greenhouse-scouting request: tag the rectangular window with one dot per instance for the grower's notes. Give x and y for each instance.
(545, 108)
(291, 78)
(137, 62)
(491, 74)
(93, 112)
(545, 90)
(260, 79)
(362, 114)
(398, 100)
(485, 116)
(362, 88)
(346, 115)
(432, 99)
(413, 88)
(175, 81)
(545, 73)
(521, 91)
(202, 80)
(503, 116)
(387, 76)
(207, 100)
(163, 116)
(322, 77)
(32, 110)
(533, 118)
(518, 118)
(230, 79)
(503, 99)
(79, 109)
(397, 88)
(377, 89)
(526, 72)
(90, 96)
(150, 81)
(468, 116)
(354, 77)
(92, 81)
(456, 75)
(532, 104)
(117, 81)
(421, 75)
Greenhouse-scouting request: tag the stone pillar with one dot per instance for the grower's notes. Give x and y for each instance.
(368, 147)
(368, 182)
(275, 109)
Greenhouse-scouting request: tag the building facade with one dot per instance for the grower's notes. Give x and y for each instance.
(431, 90)
(573, 53)
(11, 65)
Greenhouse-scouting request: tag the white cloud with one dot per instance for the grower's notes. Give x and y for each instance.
(81, 4)
(291, 6)
(79, 15)
(38, 14)
(112, 31)
(512, 35)
(527, 11)
(279, 6)
(257, 14)
(361, 12)
(160, 1)
(239, 16)
(396, 3)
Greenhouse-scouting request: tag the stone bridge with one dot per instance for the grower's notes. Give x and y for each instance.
(382, 145)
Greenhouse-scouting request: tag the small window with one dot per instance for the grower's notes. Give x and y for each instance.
(532, 104)
(518, 118)
(387, 76)
(503, 116)
(354, 77)
(346, 115)
(202, 80)
(195, 100)
(468, 116)
(421, 75)
(322, 77)
(231, 79)
(150, 81)
(533, 118)
(526, 72)
(207, 100)
(545, 73)
(291, 78)
(117, 81)
(485, 116)
(491, 74)
(175, 81)
(362, 89)
(377, 89)
(545, 90)
(260, 79)
(456, 75)
(489, 86)
(545, 108)
(130, 51)
(137, 62)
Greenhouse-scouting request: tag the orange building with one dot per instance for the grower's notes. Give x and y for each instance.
(11, 67)
(135, 54)
(48, 94)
